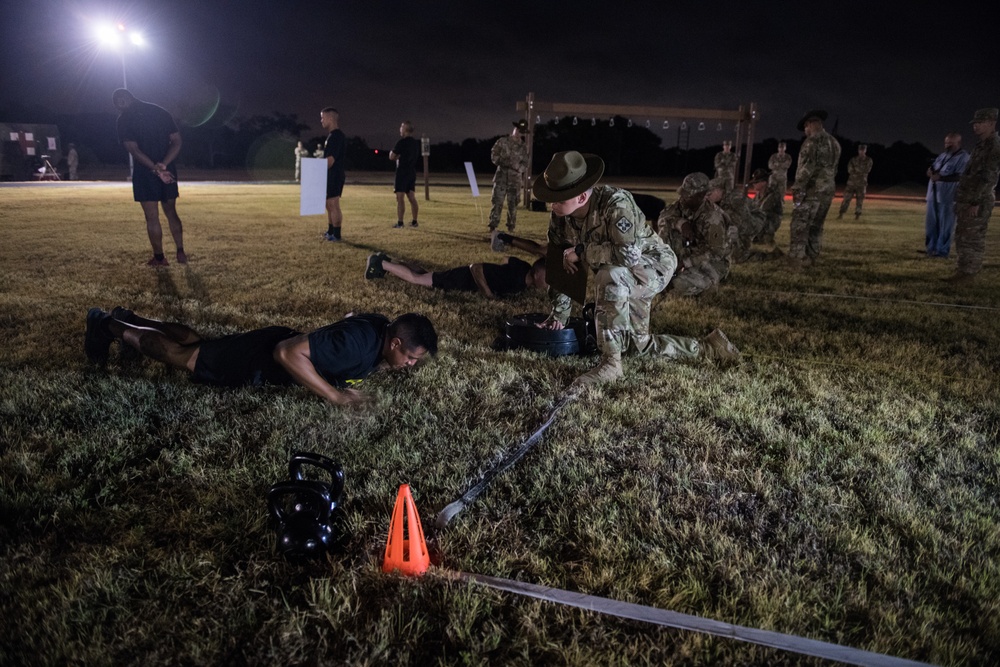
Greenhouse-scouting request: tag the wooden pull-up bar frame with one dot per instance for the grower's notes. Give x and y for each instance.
(743, 116)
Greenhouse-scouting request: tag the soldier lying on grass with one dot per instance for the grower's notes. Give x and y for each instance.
(511, 277)
(329, 361)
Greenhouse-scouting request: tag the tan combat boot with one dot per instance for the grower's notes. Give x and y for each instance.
(717, 347)
(609, 369)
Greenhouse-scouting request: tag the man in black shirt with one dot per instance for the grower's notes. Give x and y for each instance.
(405, 153)
(149, 134)
(329, 362)
(512, 276)
(333, 152)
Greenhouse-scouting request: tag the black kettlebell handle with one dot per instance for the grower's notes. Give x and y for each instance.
(336, 472)
(318, 493)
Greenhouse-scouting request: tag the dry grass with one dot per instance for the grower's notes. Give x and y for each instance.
(842, 483)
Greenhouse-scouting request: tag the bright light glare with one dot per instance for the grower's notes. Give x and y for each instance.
(114, 35)
(107, 35)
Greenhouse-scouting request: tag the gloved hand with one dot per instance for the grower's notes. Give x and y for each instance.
(506, 238)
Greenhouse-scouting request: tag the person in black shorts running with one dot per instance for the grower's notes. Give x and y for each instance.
(330, 361)
(151, 137)
(406, 152)
(511, 277)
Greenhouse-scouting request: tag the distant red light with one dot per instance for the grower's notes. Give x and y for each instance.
(376, 151)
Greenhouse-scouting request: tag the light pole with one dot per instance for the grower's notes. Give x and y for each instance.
(118, 37)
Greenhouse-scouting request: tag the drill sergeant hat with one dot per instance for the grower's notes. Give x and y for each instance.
(569, 174)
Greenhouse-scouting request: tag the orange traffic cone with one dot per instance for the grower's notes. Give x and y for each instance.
(406, 554)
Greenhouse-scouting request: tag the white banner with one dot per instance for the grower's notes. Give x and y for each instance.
(312, 199)
(472, 179)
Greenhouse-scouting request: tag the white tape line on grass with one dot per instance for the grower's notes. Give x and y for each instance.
(820, 295)
(449, 512)
(673, 619)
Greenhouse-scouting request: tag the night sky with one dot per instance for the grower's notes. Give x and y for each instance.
(456, 69)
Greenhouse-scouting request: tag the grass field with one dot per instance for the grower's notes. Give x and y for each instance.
(842, 483)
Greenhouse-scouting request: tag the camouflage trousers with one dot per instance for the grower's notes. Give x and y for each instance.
(853, 190)
(696, 279)
(780, 185)
(772, 221)
(806, 228)
(970, 236)
(624, 296)
(504, 190)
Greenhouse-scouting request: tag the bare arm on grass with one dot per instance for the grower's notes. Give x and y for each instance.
(480, 278)
(293, 355)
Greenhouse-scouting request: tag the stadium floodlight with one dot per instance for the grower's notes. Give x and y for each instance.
(107, 35)
(118, 37)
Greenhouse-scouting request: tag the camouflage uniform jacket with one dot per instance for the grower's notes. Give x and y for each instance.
(858, 169)
(980, 178)
(725, 165)
(510, 155)
(779, 164)
(817, 166)
(697, 237)
(614, 234)
(768, 202)
(747, 219)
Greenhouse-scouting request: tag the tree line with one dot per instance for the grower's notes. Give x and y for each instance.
(266, 142)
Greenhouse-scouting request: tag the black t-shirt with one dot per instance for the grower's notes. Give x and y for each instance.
(346, 352)
(334, 147)
(506, 279)
(408, 150)
(150, 127)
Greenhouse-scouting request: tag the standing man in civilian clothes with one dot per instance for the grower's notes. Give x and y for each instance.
(813, 190)
(857, 181)
(149, 134)
(725, 164)
(333, 151)
(976, 196)
(510, 155)
(943, 177)
(406, 152)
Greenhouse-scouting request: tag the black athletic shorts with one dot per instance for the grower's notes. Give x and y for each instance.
(457, 279)
(334, 184)
(242, 359)
(147, 186)
(406, 181)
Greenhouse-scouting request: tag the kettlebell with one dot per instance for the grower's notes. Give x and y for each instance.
(303, 509)
(302, 512)
(335, 486)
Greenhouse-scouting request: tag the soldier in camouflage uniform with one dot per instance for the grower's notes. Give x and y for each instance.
(747, 222)
(510, 155)
(975, 197)
(779, 163)
(604, 232)
(813, 190)
(767, 201)
(857, 181)
(300, 152)
(725, 164)
(699, 234)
